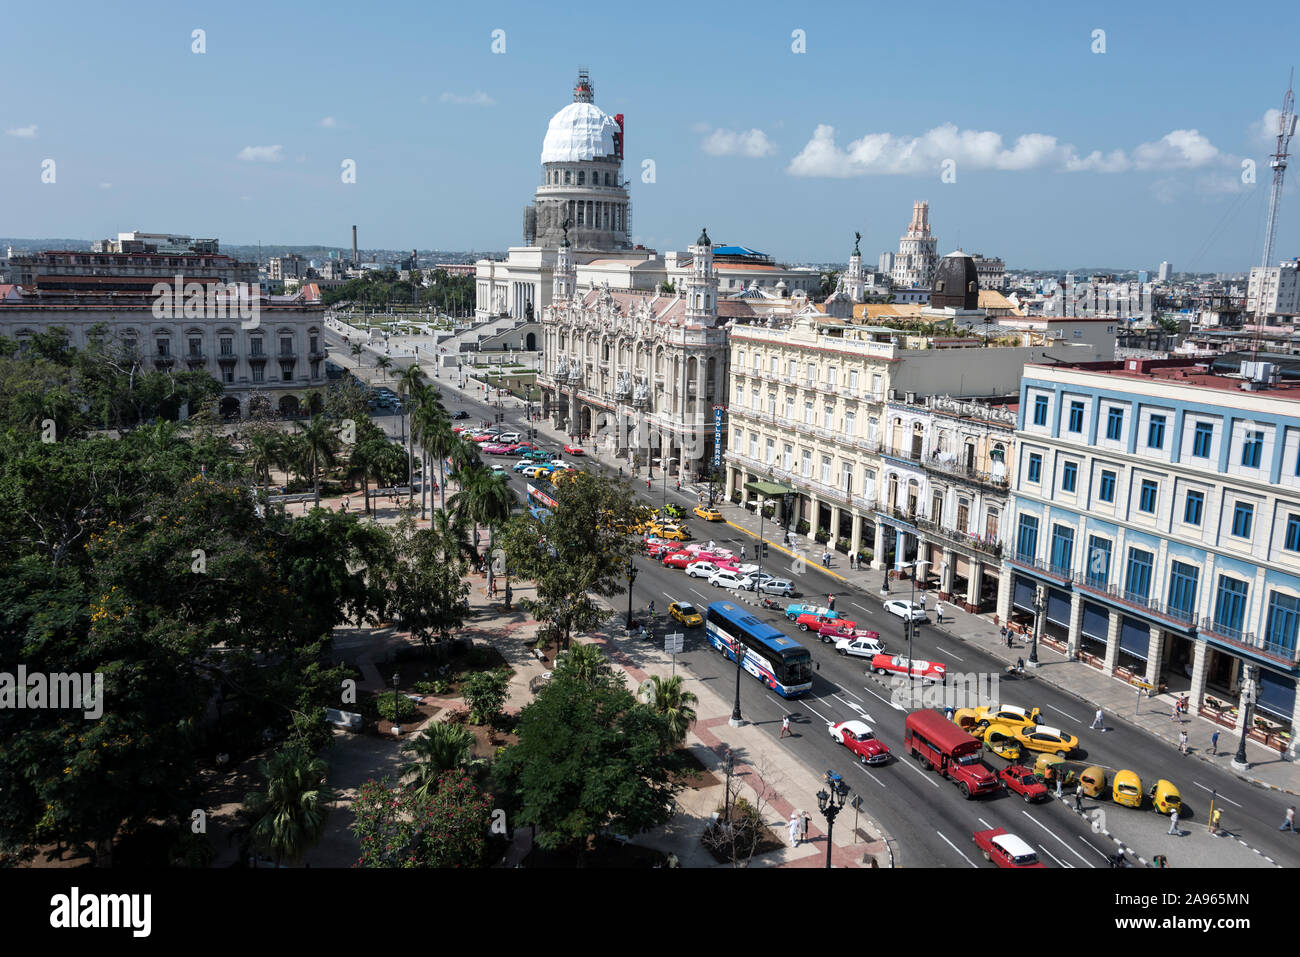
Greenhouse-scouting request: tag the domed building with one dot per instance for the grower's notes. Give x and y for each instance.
(582, 179)
(956, 283)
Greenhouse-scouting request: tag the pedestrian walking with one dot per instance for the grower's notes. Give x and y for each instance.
(1173, 823)
(923, 603)
(794, 830)
(1078, 796)
(346, 503)
(850, 561)
(830, 602)
(785, 726)
(1058, 787)
(804, 820)
(1182, 741)
(1214, 743)
(948, 712)
(1173, 714)
(938, 613)
(1006, 636)
(1289, 820)
(679, 485)
(826, 558)
(1214, 820)
(1096, 722)
(742, 553)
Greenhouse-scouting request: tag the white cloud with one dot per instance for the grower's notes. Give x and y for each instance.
(23, 132)
(1263, 132)
(700, 127)
(261, 154)
(887, 153)
(752, 143)
(329, 122)
(105, 185)
(477, 98)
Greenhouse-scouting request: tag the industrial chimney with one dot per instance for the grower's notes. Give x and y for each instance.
(355, 260)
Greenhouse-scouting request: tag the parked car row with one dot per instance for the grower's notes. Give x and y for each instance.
(718, 566)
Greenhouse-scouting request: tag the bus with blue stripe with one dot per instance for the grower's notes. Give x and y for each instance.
(778, 661)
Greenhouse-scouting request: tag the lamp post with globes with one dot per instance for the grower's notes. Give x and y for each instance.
(1040, 605)
(631, 578)
(830, 803)
(1240, 761)
(397, 714)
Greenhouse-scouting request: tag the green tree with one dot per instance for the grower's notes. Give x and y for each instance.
(384, 363)
(484, 499)
(438, 748)
(287, 818)
(319, 444)
(673, 703)
(485, 692)
(429, 592)
(589, 759)
(445, 826)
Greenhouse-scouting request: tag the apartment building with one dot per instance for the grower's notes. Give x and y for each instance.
(1155, 528)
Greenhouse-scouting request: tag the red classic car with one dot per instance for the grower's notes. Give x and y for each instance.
(833, 631)
(1006, 850)
(897, 664)
(1023, 781)
(858, 737)
(813, 622)
(574, 450)
(679, 559)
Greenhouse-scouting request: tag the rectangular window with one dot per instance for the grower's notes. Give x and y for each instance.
(807, 413)
(877, 384)
(315, 344)
(830, 377)
(1027, 538)
(1252, 449)
(812, 373)
(257, 373)
(1062, 548)
(753, 399)
(1107, 490)
(741, 363)
(806, 464)
(1292, 533)
(1035, 467)
(789, 407)
(256, 344)
(1182, 588)
(1230, 606)
(227, 346)
(1147, 497)
(828, 418)
(1283, 621)
(1137, 582)
(770, 457)
(164, 346)
(1194, 507)
(853, 380)
(826, 469)
(753, 445)
(850, 425)
(1098, 561)
(1156, 432)
(1076, 416)
(771, 403)
(196, 347)
(787, 459)
(1115, 424)
(791, 367)
(963, 515)
(1242, 518)
(1069, 476)
(846, 478)
(1202, 439)
(1040, 410)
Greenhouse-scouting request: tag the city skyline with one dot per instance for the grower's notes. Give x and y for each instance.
(1122, 156)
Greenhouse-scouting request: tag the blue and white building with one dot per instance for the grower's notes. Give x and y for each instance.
(1154, 527)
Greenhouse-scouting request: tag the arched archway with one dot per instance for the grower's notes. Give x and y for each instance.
(229, 407)
(289, 405)
(315, 403)
(530, 342)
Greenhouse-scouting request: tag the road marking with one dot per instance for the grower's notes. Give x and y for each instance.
(865, 611)
(809, 707)
(985, 823)
(896, 707)
(701, 596)
(949, 653)
(863, 769)
(1066, 713)
(849, 693)
(954, 847)
(1220, 796)
(924, 774)
(858, 708)
(1100, 852)
(1054, 837)
(1054, 857)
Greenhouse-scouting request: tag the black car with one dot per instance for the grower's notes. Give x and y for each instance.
(460, 414)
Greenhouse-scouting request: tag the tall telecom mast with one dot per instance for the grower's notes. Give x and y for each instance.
(1286, 126)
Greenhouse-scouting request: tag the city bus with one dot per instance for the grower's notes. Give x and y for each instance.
(779, 662)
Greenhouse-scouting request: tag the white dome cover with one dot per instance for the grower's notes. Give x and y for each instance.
(580, 131)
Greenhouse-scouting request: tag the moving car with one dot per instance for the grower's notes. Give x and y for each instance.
(508, 437)
(523, 464)
(1051, 740)
(537, 455)
(574, 450)
(794, 611)
(498, 470)
(685, 612)
(905, 609)
(708, 514)
(1021, 780)
(702, 569)
(811, 622)
(724, 579)
(1127, 789)
(495, 448)
(679, 559)
(1002, 743)
(777, 586)
(1165, 797)
(1005, 849)
(837, 628)
(1007, 715)
(865, 647)
(674, 532)
(925, 670)
(858, 737)
(532, 471)
(460, 414)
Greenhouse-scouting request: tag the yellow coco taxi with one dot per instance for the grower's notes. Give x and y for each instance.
(1049, 740)
(1165, 797)
(1127, 789)
(1002, 743)
(708, 514)
(685, 612)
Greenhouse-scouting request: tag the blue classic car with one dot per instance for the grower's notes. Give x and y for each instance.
(794, 611)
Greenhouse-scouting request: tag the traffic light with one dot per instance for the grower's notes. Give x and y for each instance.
(765, 549)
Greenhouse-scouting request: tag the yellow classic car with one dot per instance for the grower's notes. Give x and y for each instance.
(708, 514)
(1127, 789)
(1008, 716)
(685, 612)
(675, 533)
(1049, 740)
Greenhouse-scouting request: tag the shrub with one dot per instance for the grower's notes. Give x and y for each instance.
(801, 527)
(822, 536)
(842, 545)
(769, 511)
(735, 496)
(485, 692)
(384, 705)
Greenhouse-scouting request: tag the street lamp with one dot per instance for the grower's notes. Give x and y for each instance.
(631, 577)
(1240, 762)
(830, 805)
(397, 715)
(1040, 605)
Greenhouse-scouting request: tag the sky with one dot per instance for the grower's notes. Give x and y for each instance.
(1052, 135)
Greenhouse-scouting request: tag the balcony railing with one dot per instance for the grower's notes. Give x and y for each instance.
(967, 539)
(1098, 586)
(1287, 654)
(973, 475)
(1051, 570)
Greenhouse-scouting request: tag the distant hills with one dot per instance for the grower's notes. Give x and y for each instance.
(268, 250)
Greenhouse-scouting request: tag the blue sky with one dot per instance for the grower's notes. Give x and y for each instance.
(1062, 157)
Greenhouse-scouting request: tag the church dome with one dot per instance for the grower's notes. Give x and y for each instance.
(956, 283)
(580, 131)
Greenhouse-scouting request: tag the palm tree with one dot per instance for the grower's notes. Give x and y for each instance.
(357, 349)
(441, 747)
(585, 663)
(429, 424)
(265, 449)
(484, 499)
(410, 384)
(451, 536)
(288, 818)
(384, 363)
(319, 443)
(667, 698)
(437, 439)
